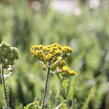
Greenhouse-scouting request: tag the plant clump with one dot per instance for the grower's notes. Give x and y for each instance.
(8, 55)
(53, 59)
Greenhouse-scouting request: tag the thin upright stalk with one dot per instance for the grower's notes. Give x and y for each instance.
(4, 85)
(45, 89)
(68, 87)
(62, 91)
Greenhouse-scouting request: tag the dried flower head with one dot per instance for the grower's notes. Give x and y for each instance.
(7, 55)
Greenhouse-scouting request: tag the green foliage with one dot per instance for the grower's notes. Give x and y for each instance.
(87, 33)
(34, 105)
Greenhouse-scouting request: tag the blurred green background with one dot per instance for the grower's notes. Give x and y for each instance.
(87, 32)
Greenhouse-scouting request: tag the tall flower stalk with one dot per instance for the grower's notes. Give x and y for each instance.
(4, 86)
(46, 86)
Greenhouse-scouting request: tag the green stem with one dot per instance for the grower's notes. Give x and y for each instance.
(68, 88)
(45, 89)
(4, 86)
(62, 90)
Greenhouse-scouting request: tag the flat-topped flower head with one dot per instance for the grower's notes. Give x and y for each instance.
(48, 50)
(7, 55)
(53, 55)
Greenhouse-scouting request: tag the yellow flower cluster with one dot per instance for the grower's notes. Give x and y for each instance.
(53, 55)
(67, 71)
(50, 53)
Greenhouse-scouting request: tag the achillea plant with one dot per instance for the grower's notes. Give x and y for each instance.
(8, 55)
(53, 59)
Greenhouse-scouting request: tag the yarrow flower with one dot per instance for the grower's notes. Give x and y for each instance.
(53, 59)
(53, 56)
(7, 55)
